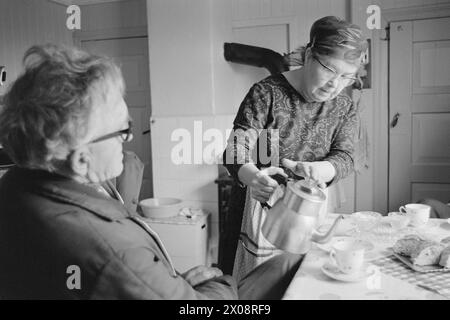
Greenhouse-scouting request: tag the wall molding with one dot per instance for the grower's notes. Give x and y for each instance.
(83, 2)
(416, 12)
(114, 33)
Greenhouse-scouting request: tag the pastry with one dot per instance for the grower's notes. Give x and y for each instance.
(427, 253)
(445, 258)
(406, 245)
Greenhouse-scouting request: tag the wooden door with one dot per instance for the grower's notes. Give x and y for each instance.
(419, 110)
(132, 56)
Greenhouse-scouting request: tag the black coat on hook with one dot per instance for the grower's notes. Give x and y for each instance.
(255, 56)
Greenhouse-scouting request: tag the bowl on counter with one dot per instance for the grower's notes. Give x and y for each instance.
(160, 207)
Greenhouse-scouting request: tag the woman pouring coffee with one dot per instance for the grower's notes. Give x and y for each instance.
(303, 119)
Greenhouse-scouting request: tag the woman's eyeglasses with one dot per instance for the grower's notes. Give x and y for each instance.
(126, 135)
(348, 79)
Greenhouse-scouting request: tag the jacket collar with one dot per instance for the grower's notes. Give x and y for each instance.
(72, 192)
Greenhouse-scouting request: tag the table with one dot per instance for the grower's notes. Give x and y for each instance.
(310, 283)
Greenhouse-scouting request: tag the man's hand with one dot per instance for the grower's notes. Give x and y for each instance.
(320, 172)
(199, 274)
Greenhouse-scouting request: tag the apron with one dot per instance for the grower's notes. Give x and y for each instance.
(253, 249)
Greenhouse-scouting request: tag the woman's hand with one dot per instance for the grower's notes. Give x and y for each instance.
(320, 172)
(263, 186)
(200, 274)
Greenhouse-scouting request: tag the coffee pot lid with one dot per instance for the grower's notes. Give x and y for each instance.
(308, 189)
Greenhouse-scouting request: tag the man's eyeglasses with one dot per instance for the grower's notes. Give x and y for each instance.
(126, 135)
(348, 79)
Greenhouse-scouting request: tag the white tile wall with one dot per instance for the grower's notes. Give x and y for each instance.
(189, 181)
(194, 183)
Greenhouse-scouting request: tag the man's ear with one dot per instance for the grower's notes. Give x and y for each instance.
(80, 160)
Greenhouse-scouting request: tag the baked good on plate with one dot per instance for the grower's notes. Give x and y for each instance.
(445, 258)
(427, 253)
(407, 245)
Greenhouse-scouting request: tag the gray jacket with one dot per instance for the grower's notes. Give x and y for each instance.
(49, 224)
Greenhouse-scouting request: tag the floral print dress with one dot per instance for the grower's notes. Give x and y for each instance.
(274, 113)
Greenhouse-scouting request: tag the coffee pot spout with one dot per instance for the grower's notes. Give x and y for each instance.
(326, 236)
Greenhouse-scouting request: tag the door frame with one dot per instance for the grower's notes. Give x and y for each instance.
(380, 84)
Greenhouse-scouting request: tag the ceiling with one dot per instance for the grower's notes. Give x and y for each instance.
(83, 2)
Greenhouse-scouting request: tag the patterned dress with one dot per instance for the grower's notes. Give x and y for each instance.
(318, 131)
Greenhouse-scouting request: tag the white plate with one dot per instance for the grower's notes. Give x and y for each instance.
(333, 272)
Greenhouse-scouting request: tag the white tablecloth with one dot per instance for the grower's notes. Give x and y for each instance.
(310, 283)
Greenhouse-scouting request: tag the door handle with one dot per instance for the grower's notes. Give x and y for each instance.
(395, 120)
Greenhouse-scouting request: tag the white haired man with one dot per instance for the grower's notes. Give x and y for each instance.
(63, 123)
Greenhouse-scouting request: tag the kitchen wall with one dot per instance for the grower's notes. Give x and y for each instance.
(24, 23)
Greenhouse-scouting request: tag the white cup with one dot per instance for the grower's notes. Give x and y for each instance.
(419, 214)
(348, 255)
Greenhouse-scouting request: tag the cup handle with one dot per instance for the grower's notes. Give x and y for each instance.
(334, 261)
(402, 209)
(333, 258)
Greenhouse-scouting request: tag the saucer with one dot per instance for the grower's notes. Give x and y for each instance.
(368, 246)
(333, 272)
(344, 228)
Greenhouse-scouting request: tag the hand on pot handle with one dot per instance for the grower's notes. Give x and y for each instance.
(321, 172)
(263, 186)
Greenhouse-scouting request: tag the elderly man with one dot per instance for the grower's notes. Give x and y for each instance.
(62, 235)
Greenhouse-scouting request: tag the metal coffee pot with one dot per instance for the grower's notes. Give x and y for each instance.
(291, 223)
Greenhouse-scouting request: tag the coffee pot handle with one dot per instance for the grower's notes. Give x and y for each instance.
(266, 205)
(281, 180)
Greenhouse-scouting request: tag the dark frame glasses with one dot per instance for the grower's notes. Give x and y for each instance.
(349, 79)
(126, 135)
